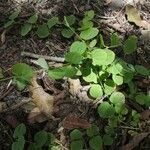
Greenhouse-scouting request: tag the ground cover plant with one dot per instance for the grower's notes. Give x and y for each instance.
(111, 82)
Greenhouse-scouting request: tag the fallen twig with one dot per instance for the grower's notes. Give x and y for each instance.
(36, 56)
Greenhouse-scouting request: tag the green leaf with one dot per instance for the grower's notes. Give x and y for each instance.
(76, 145)
(109, 130)
(132, 87)
(102, 44)
(107, 139)
(130, 45)
(69, 20)
(115, 40)
(102, 57)
(14, 15)
(19, 143)
(99, 57)
(142, 70)
(57, 73)
(34, 146)
(113, 121)
(42, 63)
(43, 31)
(117, 97)
(1, 73)
(113, 69)
(147, 100)
(121, 109)
(55, 148)
(76, 135)
(106, 110)
(128, 77)
(33, 19)
(96, 142)
(117, 79)
(22, 71)
(103, 75)
(40, 138)
(92, 131)
(91, 77)
(110, 57)
(50, 139)
(96, 91)
(20, 84)
(25, 29)
(70, 71)
(109, 87)
(52, 22)
(20, 131)
(89, 33)
(73, 57)
(141, 98)
(78, 47)
(89, 15)
(9, 23)
(85, 24)
(67, 33)
(93, 43)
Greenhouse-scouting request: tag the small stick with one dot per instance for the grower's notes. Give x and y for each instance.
(36, 56)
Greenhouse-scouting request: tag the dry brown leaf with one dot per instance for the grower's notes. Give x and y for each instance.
(36, 116)
(74, 86)
(72, 122)
(145, 115)
(135, 141)
(133, 15)
(12, 120)
(41, 99)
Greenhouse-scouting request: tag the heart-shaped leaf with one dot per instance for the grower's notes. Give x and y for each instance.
(76, 145)
(43, 31)
(117, 97)
(96, 142)
(106, 110)
(142, 70)
(96, 91)
(33, 19)
(76, 135)
(26, 28)
(117, 79)
(67, 33)
(89, 33)
(130, 45)
(73, 57)
(52, 22)
(78, 47)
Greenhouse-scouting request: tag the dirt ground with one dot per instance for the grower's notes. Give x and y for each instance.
(110, 16)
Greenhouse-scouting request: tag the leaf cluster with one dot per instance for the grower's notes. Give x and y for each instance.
(42, 139)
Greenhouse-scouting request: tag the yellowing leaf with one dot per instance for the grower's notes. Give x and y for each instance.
(133, 15)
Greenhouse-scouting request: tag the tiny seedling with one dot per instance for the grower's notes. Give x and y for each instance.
(42, 139)
(11, 19)
(28, 25)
